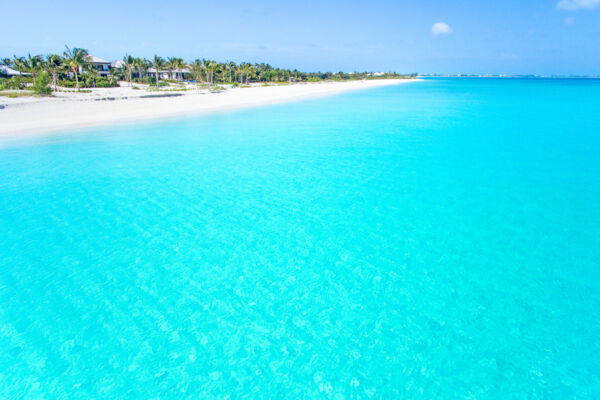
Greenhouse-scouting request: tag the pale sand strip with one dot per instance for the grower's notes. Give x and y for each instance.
(27, 116)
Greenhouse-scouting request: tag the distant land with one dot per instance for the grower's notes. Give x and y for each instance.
(507, 76)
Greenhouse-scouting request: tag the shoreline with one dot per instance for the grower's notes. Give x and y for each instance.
(25, 117)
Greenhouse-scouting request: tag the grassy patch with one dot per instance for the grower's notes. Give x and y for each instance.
(155, 89)
(77, 91)
(13, 95)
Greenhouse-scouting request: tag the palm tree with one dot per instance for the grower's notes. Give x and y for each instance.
(158, 63)
(142, 65)
(251, 71)
(176, 64)
(180, 65)
(222, 68)
(237, 69)
(239, 73)
(212, 66)
(246, 68)
(197, 69)
(171, 62)
(145, 66)
(75, 59)
(93, 73)
(54, 64)
(231, 67)
(18, 63)
(209, 68)
(243, 69)
(206, 65)
(113, 79)
(33, 64)
(128, 65)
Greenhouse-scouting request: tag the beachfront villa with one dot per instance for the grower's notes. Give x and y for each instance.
(103, 67)
(100, 65)
(181, 74)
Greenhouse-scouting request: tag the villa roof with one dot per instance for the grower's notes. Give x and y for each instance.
(11, 72)
(117, 64)
(94, 59)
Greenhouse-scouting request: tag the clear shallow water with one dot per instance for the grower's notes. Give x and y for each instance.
(433, 240)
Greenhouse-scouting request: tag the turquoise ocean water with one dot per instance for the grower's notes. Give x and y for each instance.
(434, 240)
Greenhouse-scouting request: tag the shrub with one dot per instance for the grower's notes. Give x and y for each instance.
(146, 79)
(88, 82)
(40, 85)
(102, 82)
(66, 83)
(16, 82)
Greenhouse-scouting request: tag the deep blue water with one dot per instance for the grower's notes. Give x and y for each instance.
(434, 240)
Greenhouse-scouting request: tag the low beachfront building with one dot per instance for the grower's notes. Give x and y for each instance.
(179, 74)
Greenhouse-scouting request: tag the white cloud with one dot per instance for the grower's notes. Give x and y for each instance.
(569, 20)
(441, 28)
(578, 4)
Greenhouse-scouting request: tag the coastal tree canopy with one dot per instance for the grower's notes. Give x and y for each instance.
(77, 61)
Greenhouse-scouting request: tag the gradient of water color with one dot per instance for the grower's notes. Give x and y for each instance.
(435, 240)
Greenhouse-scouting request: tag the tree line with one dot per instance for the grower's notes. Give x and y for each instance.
(73, 68)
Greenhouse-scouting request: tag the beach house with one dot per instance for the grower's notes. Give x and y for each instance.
(100, 65)
(179, 74)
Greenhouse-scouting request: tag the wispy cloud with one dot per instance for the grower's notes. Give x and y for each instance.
(577, 4)
(569, 21)
(441, 28)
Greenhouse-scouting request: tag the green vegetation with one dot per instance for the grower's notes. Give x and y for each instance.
(128, 66)
(158, 63)
(172, 89)
(75, 59)
(14, 83)
(40, 84)
(74, 69)
(17, 94)
(54, 65)
(78, 91)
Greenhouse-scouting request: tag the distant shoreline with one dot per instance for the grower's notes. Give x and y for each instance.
(508, 76)
(21, 117)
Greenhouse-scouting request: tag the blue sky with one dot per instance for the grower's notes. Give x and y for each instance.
(501, 36)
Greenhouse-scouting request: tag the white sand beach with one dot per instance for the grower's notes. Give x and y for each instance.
(67, 110)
